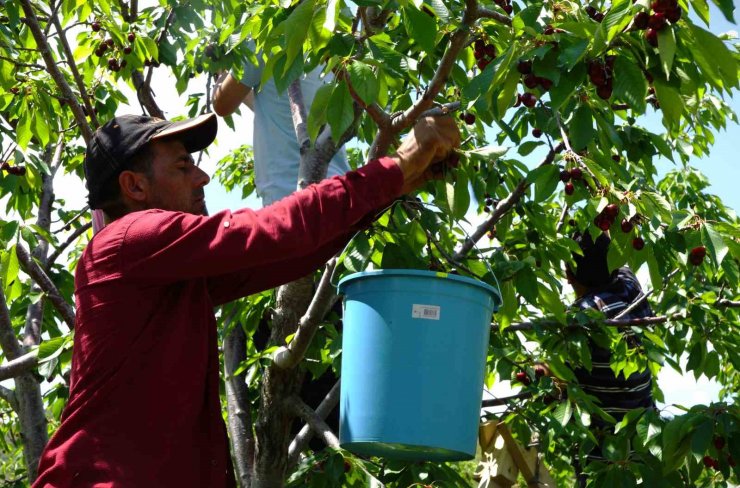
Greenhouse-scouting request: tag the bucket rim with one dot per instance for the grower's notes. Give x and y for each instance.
(424, 273)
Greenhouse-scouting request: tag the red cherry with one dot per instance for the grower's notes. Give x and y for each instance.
(469, 118)
(530, 81)
(96, 26)
(479, 45)
(529, 100)
(549, 30)
(641, 20)
(657, 21)
(539, 372)
(638, 243)
(576, 173)
(719, 443)
(109, 42)
(536, 132)
(545, 83)
(708, 461)
(673, 15)
(131, 37)
(616, 158)
(5, 166)
(522, 377)
(627, 226)
(482, 63)
(662, 5)
(524, 67)
(696, 256)
(508, 9)
(127, 50)
(604, 224)
(604, 92)
(569, 188)
(651, 36)
(611, 210)
(478, 55)
(490, 50)
(565, 176)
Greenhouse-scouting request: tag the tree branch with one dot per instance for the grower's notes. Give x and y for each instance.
(485, 13)
(20, 365)
(41, 278)
(502, 208)
(289, 356)
(495, 402)
(238, 405)
(298, 113)
(56, 74)
(299, 444)
(144, 94)
(9, 396)
(64, 245)
(8, 341)
(645, 296)
(299, 408)
(73, 68)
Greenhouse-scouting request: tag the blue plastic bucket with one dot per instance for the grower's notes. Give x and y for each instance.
(413, 363)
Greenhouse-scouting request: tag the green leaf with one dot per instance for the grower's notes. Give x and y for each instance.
(701, 8)
(364, 82)
(52, 348)
(23, 130)
(714, 242)
(545, 182)
(667, 49)
(701, 437)
(529, 146)
(671, 103)
(727, 7)
(615, 17)
(459, 200)
(630, 84)
(421, 28)
(339, 112)
(716, 51)
(581, 129)
(9, 275)
(296, 30)
(563, 413)
(317, 115)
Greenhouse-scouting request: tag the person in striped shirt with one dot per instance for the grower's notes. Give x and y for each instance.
(611, 293)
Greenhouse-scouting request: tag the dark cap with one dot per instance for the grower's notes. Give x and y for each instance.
(592, 269)
(116, 142)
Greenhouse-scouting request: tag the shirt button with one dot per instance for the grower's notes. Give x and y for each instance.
(227, 224)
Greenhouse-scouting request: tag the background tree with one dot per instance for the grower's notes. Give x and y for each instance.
(577, 78)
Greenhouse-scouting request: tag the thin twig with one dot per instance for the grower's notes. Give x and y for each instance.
(60, 249)
(289, 356)
(495, 402)
(645, 296)
(41, 279)
(299, 444)
(299, 408)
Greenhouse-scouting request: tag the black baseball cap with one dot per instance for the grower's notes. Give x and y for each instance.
(116, 142)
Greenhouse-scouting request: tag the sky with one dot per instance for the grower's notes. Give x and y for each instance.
(721, 168)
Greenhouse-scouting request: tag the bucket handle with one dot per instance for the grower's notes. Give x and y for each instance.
(333, 282)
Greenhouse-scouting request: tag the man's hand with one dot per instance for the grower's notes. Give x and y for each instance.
(426, 150)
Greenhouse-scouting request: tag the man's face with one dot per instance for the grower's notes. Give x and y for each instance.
(176, 183)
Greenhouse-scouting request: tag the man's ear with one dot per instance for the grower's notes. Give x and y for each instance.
(134, 186)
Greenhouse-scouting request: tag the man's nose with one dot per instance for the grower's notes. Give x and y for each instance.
(201, 177)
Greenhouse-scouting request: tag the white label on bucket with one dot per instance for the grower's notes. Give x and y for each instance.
(429, 312)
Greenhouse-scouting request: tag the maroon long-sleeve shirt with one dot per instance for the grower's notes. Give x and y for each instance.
(144, 406)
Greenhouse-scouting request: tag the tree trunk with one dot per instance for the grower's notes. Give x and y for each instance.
(275, 419)
(237, 405)
(33, 421)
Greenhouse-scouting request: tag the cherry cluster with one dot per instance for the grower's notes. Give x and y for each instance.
(505, 5)
(114, 64)
(601, 74)
(592, 12)
(566, 176)
(664, 11)
(13, 170)
(484, 53)
(523, 378)
(529, 79)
